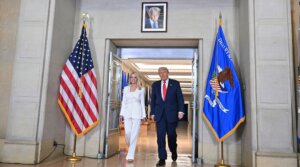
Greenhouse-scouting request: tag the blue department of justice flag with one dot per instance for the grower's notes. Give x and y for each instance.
(223, 104)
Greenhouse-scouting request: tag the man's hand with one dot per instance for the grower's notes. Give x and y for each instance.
(180, 115)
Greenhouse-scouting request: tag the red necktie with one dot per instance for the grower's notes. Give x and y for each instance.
(164, 91)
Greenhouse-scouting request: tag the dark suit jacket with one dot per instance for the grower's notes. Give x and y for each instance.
(148, 23)
(171, 106)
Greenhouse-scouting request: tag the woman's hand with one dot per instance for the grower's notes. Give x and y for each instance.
(121, 119)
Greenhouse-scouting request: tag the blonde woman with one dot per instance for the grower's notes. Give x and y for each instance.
(132, 112)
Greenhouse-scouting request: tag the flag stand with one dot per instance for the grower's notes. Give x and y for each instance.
(74, 158)
(222, 164)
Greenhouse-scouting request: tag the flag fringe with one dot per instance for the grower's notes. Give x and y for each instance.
(227, 134)
(71, 124)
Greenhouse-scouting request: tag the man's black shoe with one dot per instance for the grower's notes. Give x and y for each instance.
(174, 156)
(161, 162)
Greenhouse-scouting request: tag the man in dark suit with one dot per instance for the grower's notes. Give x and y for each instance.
(154, 25)
(167, 107)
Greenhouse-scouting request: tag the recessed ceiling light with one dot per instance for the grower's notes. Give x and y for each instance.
(156, 77)
(169, 66)
(186, 84)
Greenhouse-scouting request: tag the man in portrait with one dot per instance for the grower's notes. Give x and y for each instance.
(153, 21)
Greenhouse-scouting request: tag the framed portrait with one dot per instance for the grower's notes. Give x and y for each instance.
(154, 16)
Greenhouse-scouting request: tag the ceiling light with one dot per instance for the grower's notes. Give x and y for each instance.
(169, 66)
(151, 77)
(186, 89)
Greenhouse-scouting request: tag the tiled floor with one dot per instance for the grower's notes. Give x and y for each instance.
(146, 153)
(147, 141)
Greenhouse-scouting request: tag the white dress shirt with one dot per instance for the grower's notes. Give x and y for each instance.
(153, 24)
(162, 85)
(133, 103)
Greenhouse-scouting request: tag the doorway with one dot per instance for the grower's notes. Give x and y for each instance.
(141, 59)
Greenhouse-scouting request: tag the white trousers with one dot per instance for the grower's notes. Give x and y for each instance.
(132, 129)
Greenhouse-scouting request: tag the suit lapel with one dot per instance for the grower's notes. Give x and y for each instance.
(169, 88)
(160, 91)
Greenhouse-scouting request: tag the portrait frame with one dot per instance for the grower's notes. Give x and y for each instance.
(157, 23)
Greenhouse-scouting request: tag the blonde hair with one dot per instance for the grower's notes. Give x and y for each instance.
(138, 83)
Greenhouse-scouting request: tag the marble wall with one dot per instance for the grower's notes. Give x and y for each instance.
(43, 42)
(259, 37)
(9, 18)
(193, 20)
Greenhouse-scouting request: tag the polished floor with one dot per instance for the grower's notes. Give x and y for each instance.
(146, 153)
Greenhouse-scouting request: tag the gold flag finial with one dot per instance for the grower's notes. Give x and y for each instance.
(85, 16)
(84, 24)
(220, 19)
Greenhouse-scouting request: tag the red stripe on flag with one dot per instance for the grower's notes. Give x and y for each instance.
(89, 90)
(71, 78)
(74, 103)
(94, 80)
(86, 104)
(213, 84)
(69, 115)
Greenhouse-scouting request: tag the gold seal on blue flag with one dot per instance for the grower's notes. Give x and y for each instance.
(223, 104)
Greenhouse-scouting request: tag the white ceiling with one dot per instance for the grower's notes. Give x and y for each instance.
(181, 70)
(177, 43)
(147, 55)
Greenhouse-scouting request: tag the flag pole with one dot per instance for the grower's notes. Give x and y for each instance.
(220, 19)
(84, 16)
(221, 164)
(74, 158)
(216, 69)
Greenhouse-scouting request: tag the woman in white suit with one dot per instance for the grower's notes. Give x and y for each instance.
(132, 112)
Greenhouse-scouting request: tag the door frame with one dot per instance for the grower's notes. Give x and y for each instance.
(114, 44)
(109, 47)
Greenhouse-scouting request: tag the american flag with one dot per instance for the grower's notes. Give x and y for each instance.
(78, 88)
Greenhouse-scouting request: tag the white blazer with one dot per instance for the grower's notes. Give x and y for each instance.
(133, 104)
